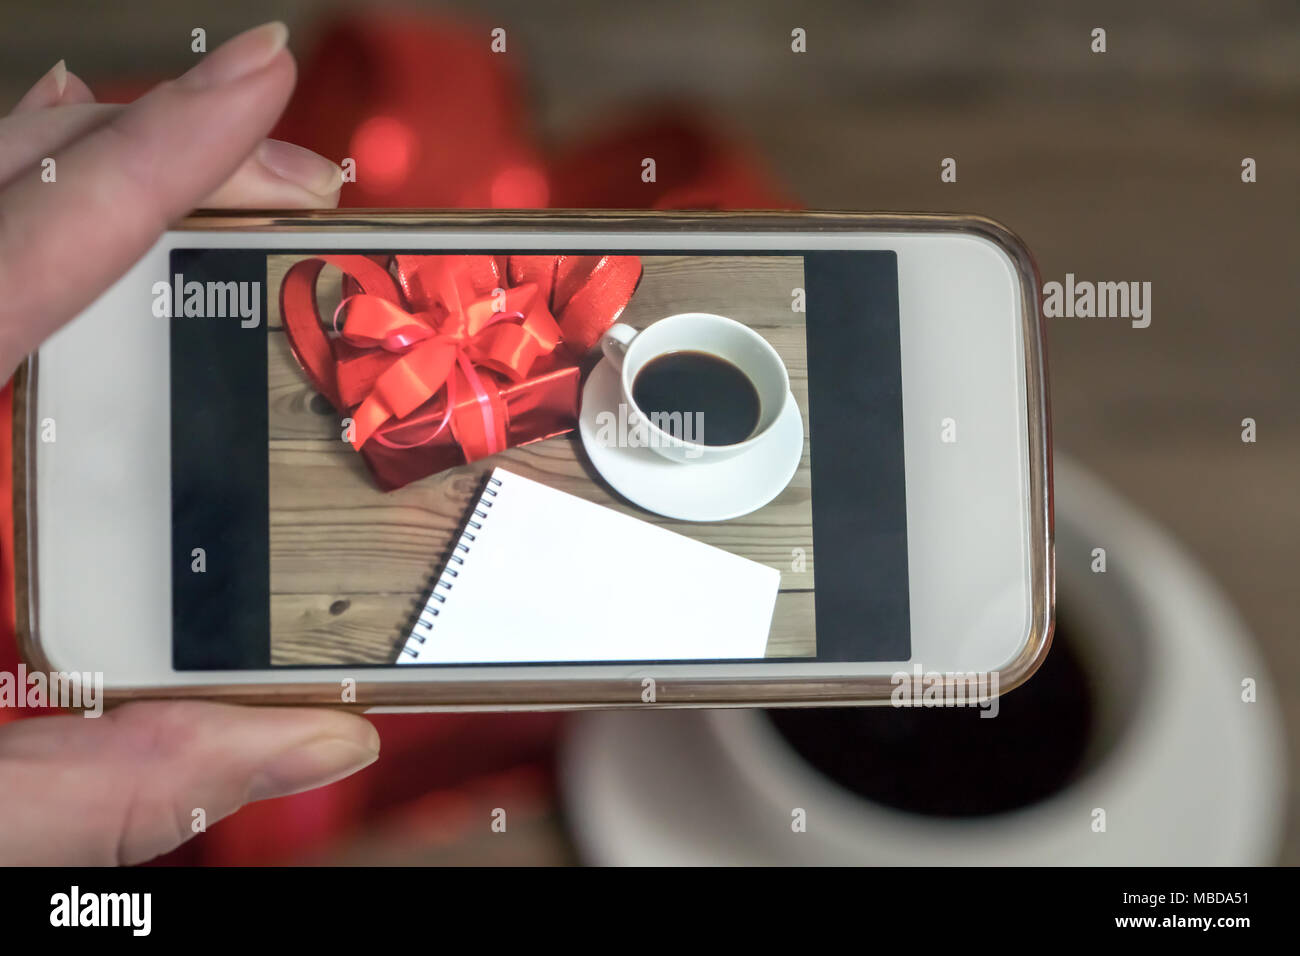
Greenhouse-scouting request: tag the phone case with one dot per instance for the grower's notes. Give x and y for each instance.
(600, 692)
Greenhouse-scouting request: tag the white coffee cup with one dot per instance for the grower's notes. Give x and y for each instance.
(1187, 773)
(630, 350)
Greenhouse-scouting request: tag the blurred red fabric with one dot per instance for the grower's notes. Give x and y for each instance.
(435, 119)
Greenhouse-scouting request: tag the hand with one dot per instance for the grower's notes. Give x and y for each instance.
(123, 788)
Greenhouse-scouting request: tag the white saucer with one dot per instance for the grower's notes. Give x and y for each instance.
(691, 491)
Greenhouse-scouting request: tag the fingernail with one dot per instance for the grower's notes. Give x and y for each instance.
(238, 57)
(59, 72)
(302, 167)
(311, 765)
(47, 91)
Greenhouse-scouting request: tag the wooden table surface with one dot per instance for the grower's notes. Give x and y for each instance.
(351, 565)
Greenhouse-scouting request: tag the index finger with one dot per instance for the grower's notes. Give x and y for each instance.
(115, 190)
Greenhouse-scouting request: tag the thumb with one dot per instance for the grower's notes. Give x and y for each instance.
(124, 787)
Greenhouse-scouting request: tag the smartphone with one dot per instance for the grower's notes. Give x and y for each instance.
(496, 460)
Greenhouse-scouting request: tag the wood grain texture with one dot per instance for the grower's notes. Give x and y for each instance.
(351, 565)
(326, 629)
(755, 290)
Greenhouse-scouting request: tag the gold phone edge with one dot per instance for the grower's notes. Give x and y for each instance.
(604, 693)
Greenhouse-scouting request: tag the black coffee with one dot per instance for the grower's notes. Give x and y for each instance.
(697, 397)
(950, 761)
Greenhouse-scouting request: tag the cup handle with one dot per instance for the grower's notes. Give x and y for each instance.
(615, 341)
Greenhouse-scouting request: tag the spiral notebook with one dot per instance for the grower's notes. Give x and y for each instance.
(540, 575)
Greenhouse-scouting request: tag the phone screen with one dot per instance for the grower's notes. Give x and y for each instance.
(484, 457)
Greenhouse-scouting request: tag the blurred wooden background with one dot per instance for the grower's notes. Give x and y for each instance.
(352, 565)
(1123, 165)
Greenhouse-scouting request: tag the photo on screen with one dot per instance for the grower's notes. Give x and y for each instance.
(477, 458)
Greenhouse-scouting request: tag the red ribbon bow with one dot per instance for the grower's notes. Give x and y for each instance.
(454, 317)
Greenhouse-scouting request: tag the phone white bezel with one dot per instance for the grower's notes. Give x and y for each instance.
(97, 595)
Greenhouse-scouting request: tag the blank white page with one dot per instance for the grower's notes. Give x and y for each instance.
(546, 576)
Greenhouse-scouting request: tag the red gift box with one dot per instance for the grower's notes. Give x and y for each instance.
(439, 360)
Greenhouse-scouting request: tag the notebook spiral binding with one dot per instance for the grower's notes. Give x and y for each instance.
(424, 624)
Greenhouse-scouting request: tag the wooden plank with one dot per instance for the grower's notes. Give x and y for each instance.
(298, 411)
(330, 524)
(367, 629)
(755, 290)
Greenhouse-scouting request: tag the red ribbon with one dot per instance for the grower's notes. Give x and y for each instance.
(453, 316)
